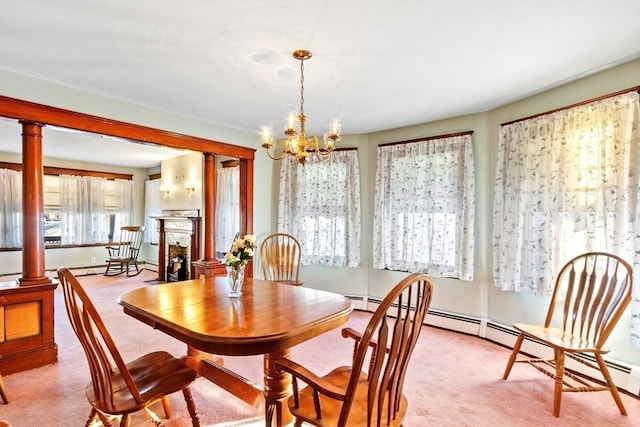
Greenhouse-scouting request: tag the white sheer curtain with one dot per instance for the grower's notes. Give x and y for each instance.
(227, 206)
(424, 207)
(568, 182)
(10, 209)
(123, 204)
(320, 205)
(83, 216)
(152, 207)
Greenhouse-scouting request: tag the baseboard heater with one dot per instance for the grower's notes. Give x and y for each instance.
(626, 376)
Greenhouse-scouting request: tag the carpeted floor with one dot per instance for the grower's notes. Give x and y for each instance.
(454, 379)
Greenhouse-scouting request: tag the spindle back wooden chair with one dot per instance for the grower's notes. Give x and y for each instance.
(591, 292)
(119, 389)
(123, 257)
(367, 394)
(280, 258)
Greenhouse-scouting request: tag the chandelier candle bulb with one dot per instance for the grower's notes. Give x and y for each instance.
(266, 135)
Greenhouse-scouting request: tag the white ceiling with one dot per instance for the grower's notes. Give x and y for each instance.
(384, 64)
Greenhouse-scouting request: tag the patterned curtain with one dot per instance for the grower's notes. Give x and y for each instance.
(568, 182)
(319, 204)
(83, 216)
(152, 207)
(123, 204)
(227, 207)
(10, 208)
(424, 207)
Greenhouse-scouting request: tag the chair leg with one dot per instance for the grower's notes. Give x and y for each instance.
(104, 419)
(92, 417)
(514, 355)
(557, 389)
(153, 417)
(166, 405)
(4, 396)
(612, 387)
(191, 407)
(125, 421)
(135, 264)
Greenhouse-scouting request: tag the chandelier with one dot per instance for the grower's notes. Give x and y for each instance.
(298, 144)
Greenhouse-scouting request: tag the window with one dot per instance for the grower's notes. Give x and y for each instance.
(319, 204)
(424, 207)
(77, 209)
(566, 183)
(10, 208)
(227, 207)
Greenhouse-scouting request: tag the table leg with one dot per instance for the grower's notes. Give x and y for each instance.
(194, 356)
(277, 389)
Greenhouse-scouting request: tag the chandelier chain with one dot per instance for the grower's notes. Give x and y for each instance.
(302, 87)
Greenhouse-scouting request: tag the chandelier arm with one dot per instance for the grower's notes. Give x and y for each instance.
(284, 153)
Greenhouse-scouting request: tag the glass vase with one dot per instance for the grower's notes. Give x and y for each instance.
(235, 277)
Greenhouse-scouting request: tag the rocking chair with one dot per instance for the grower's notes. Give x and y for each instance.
(123, 257)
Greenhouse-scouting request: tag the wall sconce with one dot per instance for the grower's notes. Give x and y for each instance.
(164, 190)
(189, 186)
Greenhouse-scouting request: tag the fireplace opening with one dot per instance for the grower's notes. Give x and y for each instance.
(178, 265)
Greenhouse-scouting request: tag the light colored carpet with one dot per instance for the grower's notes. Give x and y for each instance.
(453, 380)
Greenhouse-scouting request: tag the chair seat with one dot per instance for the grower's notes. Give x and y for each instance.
(155, 374)
(119, 259)
(556, 337)
(331, 407)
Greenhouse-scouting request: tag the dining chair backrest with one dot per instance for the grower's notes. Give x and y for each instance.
(397, 322)
(280, 258)
(591, 292)
(369, 392)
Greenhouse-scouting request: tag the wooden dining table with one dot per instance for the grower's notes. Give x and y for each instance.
(268, 319)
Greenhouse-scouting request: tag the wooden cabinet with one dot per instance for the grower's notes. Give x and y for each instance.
(26, 326)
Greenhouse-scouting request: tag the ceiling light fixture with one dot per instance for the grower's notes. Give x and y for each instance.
(297, 143)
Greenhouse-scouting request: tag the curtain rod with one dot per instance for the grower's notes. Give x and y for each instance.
(428, 138)
(577, 104)
(52, 170)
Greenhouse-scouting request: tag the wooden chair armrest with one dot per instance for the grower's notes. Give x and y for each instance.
(112, 250)
(351, 333)
(311, 379)
(357, 336)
